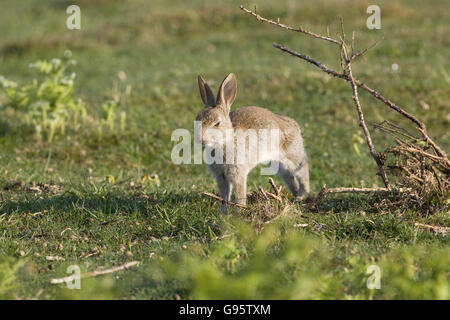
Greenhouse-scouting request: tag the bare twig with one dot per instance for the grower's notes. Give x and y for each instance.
(275, 188)
(358, 190)
(69, 229)
(278, 198)
(356, 54)
(324, 191)
(353, 43)
(435, 229)
(393, 129)
(211, 195)
(421, 126)
(266, 193)
(376, 94)
(349, 77)
(281, 25)
(311, 60)
(263, 192)
(54, 258)
(362, 122)
(425, 166)
(93, 253)
(95, 273)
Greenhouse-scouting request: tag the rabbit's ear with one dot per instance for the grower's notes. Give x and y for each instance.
(206, 93)
(227, 92)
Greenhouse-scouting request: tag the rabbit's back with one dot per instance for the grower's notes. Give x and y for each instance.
(261, 118)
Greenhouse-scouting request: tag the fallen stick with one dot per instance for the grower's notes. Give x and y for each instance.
(358, 190)
(267, 193)
(54, 258)
(223, 200)
(274, 196)
(95, 273)
(281, 25)
(324, 191)
(68, 229)
(274, 187)
(435, 229)
(263, 192)
(91, 254)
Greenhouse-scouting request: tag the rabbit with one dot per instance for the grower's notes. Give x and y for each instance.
(291, 158)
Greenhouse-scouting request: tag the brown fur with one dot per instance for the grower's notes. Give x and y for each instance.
(293, 165)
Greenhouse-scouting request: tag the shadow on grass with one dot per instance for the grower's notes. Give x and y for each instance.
(107, 203)
(5, 127)
(348, 203)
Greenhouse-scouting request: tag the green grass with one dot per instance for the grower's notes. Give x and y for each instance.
(169, 228)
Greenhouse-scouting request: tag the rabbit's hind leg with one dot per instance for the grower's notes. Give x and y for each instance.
(296, 176)
(286, 171)
(302, 174)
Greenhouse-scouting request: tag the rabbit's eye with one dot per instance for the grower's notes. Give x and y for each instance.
(217, 124)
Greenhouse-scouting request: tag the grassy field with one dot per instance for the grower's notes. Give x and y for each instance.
(100, 199)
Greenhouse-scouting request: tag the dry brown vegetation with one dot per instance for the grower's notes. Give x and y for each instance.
(421, 166)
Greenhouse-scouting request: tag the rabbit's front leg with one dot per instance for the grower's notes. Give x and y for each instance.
(239, 182)
(225, 188)
(223, 183)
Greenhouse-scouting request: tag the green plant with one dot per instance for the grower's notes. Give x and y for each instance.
(282, 263)
(273, 265)
(8, 275)
(109, 116)
(47, 102)
(419, 272)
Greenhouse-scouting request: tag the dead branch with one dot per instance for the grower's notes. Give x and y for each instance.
(376, 94)
(95, 273)
(362, 122)
(54, 258)
(281, 25)
(348, 77)
(358, 190)
(356, 54)
(263, 192)
(311, 60)
(425, 175)
(275, 188)
(425, 166)
(435, 229)
(395, 130)
(211, 195)
(325, 191)
(341, 43)
(270, 194)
